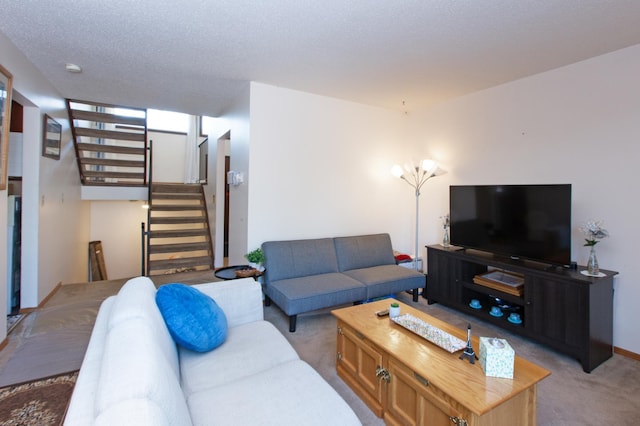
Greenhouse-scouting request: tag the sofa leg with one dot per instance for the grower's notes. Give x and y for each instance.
(292, 323)
(267, 300)
(415, 294)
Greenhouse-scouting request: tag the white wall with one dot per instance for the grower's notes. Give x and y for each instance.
(55, 221)
(168, 156)
(117, 225)
(234, 122)
(579, 125)
(320, 167)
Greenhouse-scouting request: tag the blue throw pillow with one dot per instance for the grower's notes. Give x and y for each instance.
(194, 319)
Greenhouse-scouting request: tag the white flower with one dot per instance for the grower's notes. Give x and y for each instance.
(593, 232)
(446, 220)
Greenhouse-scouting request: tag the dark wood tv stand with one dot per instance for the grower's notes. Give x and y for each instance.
(561, 308)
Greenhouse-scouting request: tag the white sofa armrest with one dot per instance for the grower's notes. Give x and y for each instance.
(241, 299)
(81, 407)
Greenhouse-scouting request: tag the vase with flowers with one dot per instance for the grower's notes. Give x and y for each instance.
(446, 221)
(593, 232)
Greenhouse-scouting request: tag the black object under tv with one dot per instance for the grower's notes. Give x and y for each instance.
(529, 222)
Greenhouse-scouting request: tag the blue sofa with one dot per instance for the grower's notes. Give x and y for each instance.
(305, 275)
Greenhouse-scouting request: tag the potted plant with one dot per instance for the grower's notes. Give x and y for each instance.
(255, 258)
(394, 310)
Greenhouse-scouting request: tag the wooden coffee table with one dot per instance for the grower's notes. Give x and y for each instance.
(407, 380)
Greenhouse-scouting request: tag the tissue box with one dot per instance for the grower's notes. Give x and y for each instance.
(496, 357)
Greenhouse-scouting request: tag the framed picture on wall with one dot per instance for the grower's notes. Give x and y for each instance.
(52, 135)
(5, 122)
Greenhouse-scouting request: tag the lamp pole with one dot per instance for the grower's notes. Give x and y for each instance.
(415, 260)
(416, 176)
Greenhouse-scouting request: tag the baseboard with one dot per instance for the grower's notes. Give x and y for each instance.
(45, 300)
(4, 343)
(626, 353)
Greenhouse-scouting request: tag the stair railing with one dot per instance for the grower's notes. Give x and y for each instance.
(145, 234)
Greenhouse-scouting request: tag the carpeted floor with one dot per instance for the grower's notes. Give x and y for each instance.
(42, 402)
(53, 340)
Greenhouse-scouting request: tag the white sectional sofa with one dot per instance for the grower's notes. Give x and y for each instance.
(134, 374)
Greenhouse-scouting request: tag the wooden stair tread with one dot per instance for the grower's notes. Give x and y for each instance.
(176, 207)
(101, 117)
(110, 134)
(111, 175)
(180, 247)
(176, 188)
(137, 184)
(115, 149)
(175, 196)
(93, 161)
(176, 220)
(180, 262)
(179, 233)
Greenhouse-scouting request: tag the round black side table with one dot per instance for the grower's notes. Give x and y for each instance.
(229, 272)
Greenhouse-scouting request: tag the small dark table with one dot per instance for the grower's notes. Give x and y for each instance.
(229, 272)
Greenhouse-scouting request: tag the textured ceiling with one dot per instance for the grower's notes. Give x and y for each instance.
(194, 56)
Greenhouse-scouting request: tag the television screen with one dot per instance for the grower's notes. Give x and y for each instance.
(519, 221)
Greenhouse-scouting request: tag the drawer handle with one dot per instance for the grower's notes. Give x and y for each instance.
(421, 379)
(458, 421)
(382, 373)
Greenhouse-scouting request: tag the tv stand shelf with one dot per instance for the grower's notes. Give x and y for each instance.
(561, 308)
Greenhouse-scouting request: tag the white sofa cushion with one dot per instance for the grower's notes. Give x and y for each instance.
(241, 300)
(249, 349)
(136, 300)
(135, 367)
(289, 394)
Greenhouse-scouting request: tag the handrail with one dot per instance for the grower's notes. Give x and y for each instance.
(149, 190)
(142, 273)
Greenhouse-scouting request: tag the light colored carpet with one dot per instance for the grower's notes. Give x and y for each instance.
(53, 340)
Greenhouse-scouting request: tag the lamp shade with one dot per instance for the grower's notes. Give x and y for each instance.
(429, 166)
(397, 171)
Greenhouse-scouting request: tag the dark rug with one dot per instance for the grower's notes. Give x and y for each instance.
(39, 402)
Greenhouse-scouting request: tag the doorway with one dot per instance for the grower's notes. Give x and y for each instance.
(14, 211)
(221, 199)
(227, 167)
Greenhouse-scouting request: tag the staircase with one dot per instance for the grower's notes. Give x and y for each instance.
(112, 150)
(110, 143)
(179, 239)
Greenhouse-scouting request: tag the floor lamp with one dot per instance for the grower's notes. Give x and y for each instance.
(416, 176)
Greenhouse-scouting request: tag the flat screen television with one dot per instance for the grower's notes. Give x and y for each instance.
(518, 221)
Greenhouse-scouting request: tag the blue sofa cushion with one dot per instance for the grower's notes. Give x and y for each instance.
(364, 251)
(299, 258)
(387, 279)
(195, 321)
(304, 294)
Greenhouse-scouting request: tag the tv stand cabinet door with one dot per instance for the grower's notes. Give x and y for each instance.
(443, 277)
(557, 313)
